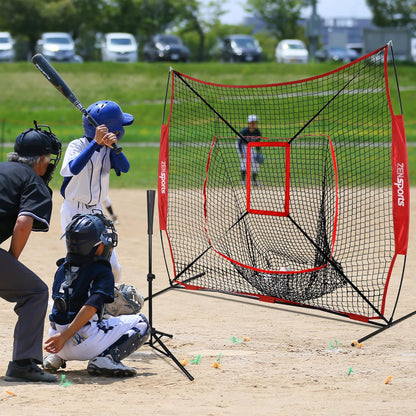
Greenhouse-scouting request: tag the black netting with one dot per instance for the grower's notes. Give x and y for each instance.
(311, 222)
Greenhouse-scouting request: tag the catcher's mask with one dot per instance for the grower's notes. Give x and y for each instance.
(38, 142)
(108, 113)
(84, 233)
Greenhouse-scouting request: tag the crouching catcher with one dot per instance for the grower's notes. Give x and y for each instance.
(83, 284)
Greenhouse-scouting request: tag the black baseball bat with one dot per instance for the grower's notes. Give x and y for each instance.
(57, 81)
(150, 210)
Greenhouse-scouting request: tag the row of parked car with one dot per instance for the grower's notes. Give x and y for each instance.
(294, 50)
(123, 47)
(116, 47)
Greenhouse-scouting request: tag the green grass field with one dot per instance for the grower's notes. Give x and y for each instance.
(140, 89)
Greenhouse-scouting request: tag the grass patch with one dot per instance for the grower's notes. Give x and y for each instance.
(140, 89)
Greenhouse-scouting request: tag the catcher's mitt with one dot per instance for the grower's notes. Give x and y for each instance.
(127, 301)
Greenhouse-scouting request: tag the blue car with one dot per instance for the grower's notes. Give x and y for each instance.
(336, 54)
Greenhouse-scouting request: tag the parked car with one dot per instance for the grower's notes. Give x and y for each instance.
(119, 47)
(6, 47)
(165, 48)
(291, 51)
(413, 48)
(58, 47)
(240, 48)
(336, 54)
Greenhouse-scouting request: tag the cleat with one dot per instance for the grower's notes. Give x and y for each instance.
(27, 373)
(107, 367)
(53, 363)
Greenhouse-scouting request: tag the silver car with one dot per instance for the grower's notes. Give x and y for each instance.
(57, 47)
(6, 47)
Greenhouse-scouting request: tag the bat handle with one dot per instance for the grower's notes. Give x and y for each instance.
(117, 148)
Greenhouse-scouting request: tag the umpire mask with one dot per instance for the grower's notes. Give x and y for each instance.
(38, 142)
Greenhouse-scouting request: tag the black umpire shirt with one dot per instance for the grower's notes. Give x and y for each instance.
(22, 192)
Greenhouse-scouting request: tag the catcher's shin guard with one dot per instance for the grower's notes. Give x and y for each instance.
(128, 344)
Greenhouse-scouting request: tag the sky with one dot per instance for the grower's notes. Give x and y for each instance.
(325, 9)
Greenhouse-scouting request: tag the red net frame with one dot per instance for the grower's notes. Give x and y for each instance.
(211, 222)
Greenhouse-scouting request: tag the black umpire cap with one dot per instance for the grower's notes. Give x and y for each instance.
(35, 142)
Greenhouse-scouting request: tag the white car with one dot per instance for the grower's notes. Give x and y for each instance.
(291, 51)
(119, 47)
(6, 47)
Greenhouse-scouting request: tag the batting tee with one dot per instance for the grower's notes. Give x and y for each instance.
(326, 226)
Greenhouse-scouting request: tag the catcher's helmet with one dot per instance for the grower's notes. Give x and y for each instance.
(85, 232)
(108, 113)
(38, 142)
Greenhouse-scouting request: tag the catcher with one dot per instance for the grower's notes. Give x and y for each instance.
(83, 285)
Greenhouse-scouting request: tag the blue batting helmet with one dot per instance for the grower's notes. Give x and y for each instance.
(109, 113)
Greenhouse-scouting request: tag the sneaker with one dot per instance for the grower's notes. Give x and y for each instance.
(106, 366)
(53, 363)
(30, 372)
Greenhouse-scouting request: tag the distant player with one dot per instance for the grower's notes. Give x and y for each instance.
(83, 284)
(87, 163)
(251, 133)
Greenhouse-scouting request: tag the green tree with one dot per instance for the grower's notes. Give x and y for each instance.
(142, 18)
(23, 18)
(393, 13)
(28, 19)
(191, 20)
(280, 16)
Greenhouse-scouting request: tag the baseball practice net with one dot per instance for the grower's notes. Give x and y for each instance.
(327, 218)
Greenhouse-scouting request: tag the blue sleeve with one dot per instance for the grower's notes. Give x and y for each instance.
(97, 300)
(119, 162)
(76, 165)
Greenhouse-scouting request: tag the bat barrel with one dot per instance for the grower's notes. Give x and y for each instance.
(50, 73)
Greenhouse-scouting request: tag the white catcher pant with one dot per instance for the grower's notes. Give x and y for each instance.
(68, 210)
(91, 340)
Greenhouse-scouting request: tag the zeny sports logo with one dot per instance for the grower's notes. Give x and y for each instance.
(162, 177)
(400, 184)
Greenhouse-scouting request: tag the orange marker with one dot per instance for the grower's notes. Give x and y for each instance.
(388, 379)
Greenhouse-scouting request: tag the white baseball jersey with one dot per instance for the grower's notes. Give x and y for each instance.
(90, 186)
(86, 191)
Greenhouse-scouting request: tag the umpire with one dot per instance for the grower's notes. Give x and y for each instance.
(25, 206)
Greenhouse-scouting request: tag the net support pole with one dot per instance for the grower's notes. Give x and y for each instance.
(372, 334)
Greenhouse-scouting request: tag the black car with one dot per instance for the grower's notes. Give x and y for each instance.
(240, 48)
(165, 48)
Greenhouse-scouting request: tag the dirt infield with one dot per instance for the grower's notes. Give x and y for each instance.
(272, 359)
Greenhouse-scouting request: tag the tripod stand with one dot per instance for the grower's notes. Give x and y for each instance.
(155, 335)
